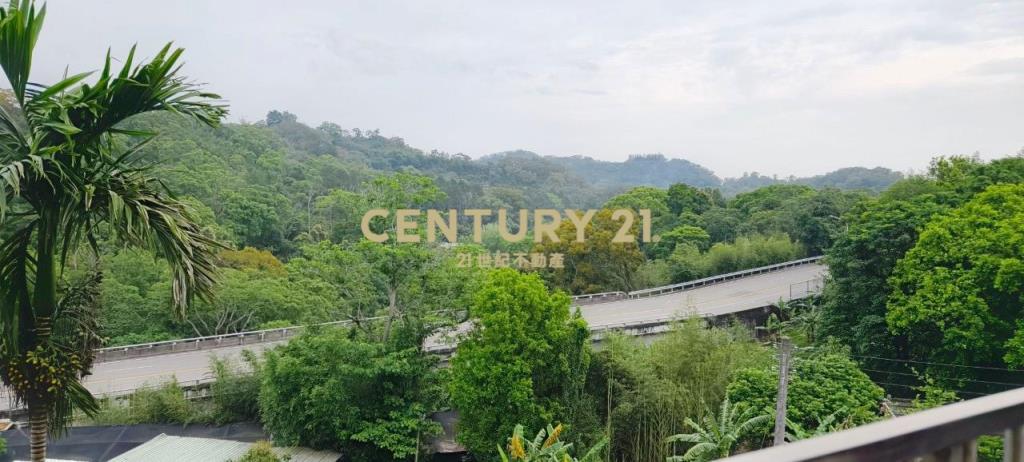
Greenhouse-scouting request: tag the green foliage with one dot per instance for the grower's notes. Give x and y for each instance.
(796, 432)
(246, 299)
(520, 360)
(686, 198)
(331, 390)
(716, 436)
(3, 446)
(769, 198)
(163, 404)
(597, 264)
(811, 217)
(821, 385)
(687, 262)
(805, 320)
(236, 389)
(261, 451)
(855, 178)
(957, 293)
(640, 198)
(545, 447)
(990, 449)
(930, 395)
(253, 259)
(416, 289)
(69, 171)
(860, 264)
(655, 388)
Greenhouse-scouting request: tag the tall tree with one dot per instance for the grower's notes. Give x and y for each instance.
(68, 171)
(860, 263)
(957, 293)
(514, 367)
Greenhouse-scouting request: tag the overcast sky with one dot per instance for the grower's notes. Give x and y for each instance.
(775, 87)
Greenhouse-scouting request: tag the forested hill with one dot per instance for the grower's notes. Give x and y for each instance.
(640, 169)
(659, 171)
(513, 178)
(279, 177)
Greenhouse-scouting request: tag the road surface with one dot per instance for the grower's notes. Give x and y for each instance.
(722, 298)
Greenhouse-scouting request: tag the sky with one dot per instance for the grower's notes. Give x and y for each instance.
(795, 87)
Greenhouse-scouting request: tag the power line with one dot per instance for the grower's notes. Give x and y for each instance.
(912, 387)
(939, 364)
(963, 380)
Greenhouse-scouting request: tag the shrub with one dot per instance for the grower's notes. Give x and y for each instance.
(236, 391)
(163, 404)
(687, 262)
(820, 386)
(655, 388)
(525, 362)
(327, 390)
(261, 451)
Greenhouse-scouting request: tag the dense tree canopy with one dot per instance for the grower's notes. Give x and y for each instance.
(328, 390)
(957, 294)
(820, 386)
(525, 354)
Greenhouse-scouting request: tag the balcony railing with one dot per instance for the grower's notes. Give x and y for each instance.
(948, 433)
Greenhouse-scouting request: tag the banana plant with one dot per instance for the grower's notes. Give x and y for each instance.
(545, 447)
(716, 436)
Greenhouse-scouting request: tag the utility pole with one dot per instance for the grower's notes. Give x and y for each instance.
(785, 351)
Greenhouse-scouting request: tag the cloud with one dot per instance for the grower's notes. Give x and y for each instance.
(794, 87)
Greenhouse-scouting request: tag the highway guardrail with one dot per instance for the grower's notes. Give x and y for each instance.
(275, 335)
(654, 291)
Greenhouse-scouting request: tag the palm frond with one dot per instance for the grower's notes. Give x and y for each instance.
(20, 24)
(90, 111)
(73, 396)
(76, 334)
(145, 217)
(16, 266)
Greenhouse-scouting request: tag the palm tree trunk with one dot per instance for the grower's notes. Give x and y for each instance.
(39, 429)
(45, 305)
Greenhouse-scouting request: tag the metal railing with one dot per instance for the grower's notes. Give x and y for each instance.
(638, 328)
(654, 291)
(193, 389)
(804, 288)
(273, 335)
(598, 298)
(201, 343)
(947, 433)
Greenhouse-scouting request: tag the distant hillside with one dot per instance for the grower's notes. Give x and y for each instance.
(849, 178)
(639, 170)
(657, 170)
(287, 162)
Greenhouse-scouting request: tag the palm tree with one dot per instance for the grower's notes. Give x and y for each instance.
(545, 447)
(716, 437)
(70, 174)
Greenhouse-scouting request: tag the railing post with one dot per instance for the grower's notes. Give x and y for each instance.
(971, 451)
(1013, 445)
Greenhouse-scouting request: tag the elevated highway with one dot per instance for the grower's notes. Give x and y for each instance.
(122, 370)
